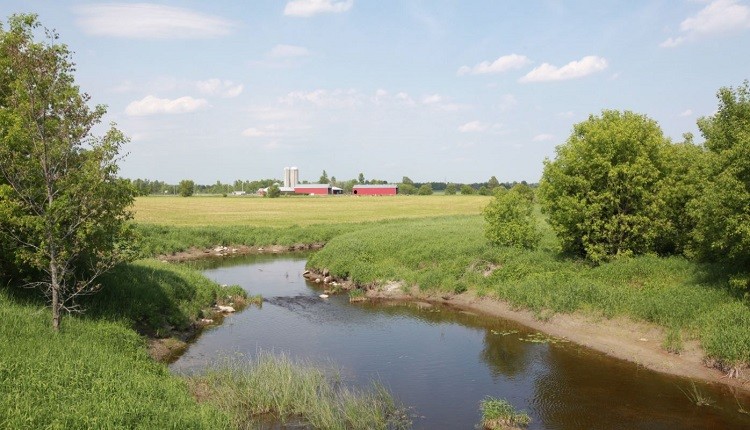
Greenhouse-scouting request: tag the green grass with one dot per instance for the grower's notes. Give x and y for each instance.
(303, 211)
(450, 254)
(93, 374)
(498, 414)
(277, 389)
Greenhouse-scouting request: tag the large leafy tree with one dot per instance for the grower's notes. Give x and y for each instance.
(722, 210)
(599, 191)
(63, 207)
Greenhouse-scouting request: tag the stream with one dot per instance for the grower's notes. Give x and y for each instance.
(441, 362)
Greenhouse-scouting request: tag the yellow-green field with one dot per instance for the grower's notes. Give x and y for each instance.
(302, 211)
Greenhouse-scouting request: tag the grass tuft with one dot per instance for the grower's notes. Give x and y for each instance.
(499, 414)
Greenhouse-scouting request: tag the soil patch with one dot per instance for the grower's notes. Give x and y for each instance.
(221, 251)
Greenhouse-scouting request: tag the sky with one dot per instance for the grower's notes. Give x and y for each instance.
(436, 90)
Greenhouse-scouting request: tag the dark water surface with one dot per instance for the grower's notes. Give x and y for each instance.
(442, 362)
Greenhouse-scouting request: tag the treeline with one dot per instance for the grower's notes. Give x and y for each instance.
(145, 187)
(619, 187)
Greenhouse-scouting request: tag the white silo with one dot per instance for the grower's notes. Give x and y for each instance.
(295, 176)
(287, 177)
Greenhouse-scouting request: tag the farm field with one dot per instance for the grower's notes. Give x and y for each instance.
(200, 211)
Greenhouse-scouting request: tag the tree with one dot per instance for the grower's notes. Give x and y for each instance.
(324, 178)
(510, 221)
(62, 205)
(273, 191)
(450, 190)
(406, 180)
(600, 191)
(484, 191)
(425, 190)
(722, 209)
(361, 178)
(187, 188)
(493, 183)
(467, 190)
(407, 189)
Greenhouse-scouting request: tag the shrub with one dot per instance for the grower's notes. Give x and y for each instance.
(510, 221)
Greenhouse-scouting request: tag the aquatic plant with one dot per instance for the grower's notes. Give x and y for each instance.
(498, 414)
(357, 295)
(696, 397)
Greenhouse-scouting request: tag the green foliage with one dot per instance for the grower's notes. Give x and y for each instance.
(273, 192)
(407, 189)
(467, 190)
(450, 190)
(324, 178)
(64, 208)
(407, 180)
(493, 183)
(484, 191)
(91, 374)
(510, 221)
(722, 209)
(296, 393)
(600, 190)
(498, 414)
(186, 187)
(425, 190)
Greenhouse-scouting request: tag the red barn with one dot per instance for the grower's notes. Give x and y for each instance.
(313, 189)
(375, 190)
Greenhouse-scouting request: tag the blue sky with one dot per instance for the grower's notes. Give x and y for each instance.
(435, 90)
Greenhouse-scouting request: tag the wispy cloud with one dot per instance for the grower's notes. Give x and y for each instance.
(473, 127)
(307, 8)
(502, 64)
(221, 88)
(573, 70)
(151, 105)
(288, 51)
(688, 112)
(719, 16)
(265, 131)
(544, 137)
(149, 21)
(324, 98)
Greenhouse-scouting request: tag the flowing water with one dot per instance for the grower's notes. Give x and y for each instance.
(442, 362)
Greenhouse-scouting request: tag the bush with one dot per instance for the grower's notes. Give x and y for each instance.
(510, 221)
(467, 190)
(425, 190)
(450, 190)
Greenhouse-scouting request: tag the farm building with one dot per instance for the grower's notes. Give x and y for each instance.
(375, 190)
(313, 189)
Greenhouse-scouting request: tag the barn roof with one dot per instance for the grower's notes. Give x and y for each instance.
(377, 186)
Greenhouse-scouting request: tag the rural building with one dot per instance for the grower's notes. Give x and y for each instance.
(313, 189)
(375, 190)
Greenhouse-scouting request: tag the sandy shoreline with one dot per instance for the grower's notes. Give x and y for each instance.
(640, 343)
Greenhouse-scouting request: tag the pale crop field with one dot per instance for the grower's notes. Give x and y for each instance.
(297, 210)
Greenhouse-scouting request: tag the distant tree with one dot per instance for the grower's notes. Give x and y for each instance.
(334, 181)
(425, 190)
(484, 191)
(510, 221)
(361, 178)
(273, 191)
(407, 189)
(493, 183)
(600, 191)
(324, 178)
(467, 190)
(450, 189)
(187, 188)
(406, 180)
(62, 207)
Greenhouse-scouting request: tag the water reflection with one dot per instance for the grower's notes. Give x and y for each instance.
(443, 362)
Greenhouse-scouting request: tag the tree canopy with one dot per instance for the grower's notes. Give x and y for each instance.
(63, 206)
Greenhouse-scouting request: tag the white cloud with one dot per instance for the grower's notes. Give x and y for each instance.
(149, 21)
(573, 70)
(473, 127)
(265, 131)
(405, 98)
(544, 137)
(720, 16)
(151, 105)
(502, 64)
(221, 88)
(307, 8)
(324, 98)
(567, 114)
(507, 101)
(432, 99)
(289, 51)
(688, 112)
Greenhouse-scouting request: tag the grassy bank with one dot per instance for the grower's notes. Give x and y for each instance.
(97, 373)
(451, 255)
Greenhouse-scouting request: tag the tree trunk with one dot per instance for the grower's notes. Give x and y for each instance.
(55, 285)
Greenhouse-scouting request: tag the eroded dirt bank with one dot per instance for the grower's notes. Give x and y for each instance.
(221, 251)
(640, 343)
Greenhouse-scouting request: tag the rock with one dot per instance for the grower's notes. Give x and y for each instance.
(317, 280)
(225, 309)
(324, 296)
(305, 273)
(207, 321)
(327, 279)
(326, 272)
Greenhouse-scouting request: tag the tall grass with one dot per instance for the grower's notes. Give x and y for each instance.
(451, 255)
(296, 393)
(93, 374)
(499, 414)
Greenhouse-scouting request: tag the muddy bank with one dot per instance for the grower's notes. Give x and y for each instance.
(221, 251)
(640, 343)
